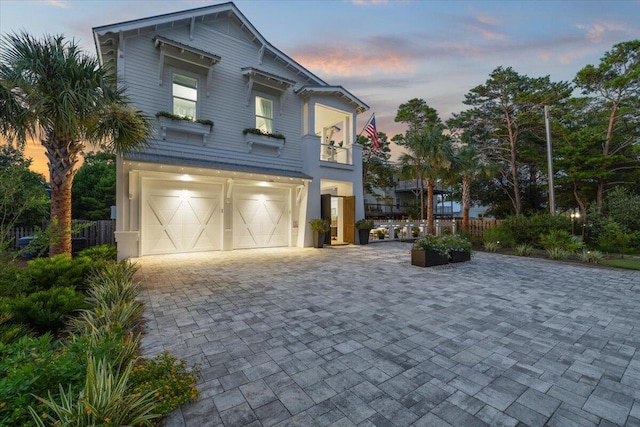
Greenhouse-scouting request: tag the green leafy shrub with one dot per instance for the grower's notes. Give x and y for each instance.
(557, 253)
(591, 256)
(103, 401)
(320, 225)
(100, 253)
(30, 366)
(113, 284)
(499, 235)
(491, 246)
(13, 281)
(528, 229)
(524, 249)
(46, 273)
(431, 243)
(456, 242)
(10, 332)
(45, 310)
(560, 239)
(167, 378)
(614, 238)
(365, 224)
(115, 344)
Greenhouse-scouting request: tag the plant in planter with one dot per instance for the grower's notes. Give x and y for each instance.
(459, 247)
(172, 116)
(256, 131)
(415, 231)
(381, 233)
(319, 227)
(429, 251)
(364, 227)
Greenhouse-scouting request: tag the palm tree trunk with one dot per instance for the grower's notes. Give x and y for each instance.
(430, 227)
(421, 199)
(466, 201)
(62, 159)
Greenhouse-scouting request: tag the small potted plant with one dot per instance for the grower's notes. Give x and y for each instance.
(381, 233)
(364, 227)
(319, 227)
(459, 247)
(429, 251)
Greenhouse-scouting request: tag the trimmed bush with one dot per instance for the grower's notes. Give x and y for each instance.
(13, 281)
(57, 271)
(560, 239)
(528, 229)
(100, 253)
(45, 310)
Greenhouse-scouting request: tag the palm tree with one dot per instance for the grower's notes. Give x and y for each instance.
(53, 92)
(469, 165)
(429, 155)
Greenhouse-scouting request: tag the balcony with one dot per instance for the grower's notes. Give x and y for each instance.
(335, 154)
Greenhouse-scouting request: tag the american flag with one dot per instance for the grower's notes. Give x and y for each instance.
(371, 130)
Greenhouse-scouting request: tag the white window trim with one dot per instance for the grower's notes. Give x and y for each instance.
(192, 75)
(273, 110)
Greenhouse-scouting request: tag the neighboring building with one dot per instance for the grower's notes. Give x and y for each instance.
(200, 187)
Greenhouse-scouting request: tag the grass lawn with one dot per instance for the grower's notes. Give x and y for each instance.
(630, 263)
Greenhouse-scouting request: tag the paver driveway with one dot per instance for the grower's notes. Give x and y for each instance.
(356, 336)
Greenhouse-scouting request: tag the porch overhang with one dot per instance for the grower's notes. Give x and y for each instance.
(338, 91)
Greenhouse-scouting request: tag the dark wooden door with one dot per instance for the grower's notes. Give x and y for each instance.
(325, 213)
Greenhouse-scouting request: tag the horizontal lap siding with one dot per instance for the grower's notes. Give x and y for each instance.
(226, 104)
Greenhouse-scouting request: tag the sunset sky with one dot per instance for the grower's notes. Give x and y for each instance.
(387, 52)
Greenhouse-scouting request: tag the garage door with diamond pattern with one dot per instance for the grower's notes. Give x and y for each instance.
(260, 217)
(180, 217)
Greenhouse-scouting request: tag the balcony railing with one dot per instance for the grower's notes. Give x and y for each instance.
(335, 154)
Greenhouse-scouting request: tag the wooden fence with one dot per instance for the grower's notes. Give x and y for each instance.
(477, 226)
(96, 233)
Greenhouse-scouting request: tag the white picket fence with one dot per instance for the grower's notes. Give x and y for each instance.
(401, 230)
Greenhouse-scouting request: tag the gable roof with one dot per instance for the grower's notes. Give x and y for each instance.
(106, 37)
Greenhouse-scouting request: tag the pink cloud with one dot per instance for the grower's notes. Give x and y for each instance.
(597, 31)
(58, 3)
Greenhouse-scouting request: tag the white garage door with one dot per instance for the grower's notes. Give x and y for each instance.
(260, 217)
(180, 217)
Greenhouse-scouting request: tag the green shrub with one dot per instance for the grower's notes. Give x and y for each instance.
(490, 246)
(591, 256)
(528, 229)
(34, 366)
(45, 310)
(431, 243)
(557, 253)
(113, 284)
(499, 235)
(365, 224)
(614, 238)
(524, 249)
(60, 270)
(10, 332)
(560, 239)
(456, 242)
(169, 380)
(104, 401)
(13, 281)
(100, 253)
(115, 344)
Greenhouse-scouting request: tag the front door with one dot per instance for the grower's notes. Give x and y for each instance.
(349, 219)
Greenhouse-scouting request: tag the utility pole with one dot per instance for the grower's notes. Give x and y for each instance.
(552, 197)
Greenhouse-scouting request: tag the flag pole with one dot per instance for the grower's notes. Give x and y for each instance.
(365, 125)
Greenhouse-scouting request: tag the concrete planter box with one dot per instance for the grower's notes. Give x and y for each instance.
(428, 258)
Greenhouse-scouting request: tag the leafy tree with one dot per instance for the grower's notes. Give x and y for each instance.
(51, 91)
(23, 198)
(417, 114)
(615, 84)
(429, 155)
(508, 125)
(468, 164)
(377, 172)
(95, 187)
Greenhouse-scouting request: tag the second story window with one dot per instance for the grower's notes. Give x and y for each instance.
(185, 95)
(264, 114)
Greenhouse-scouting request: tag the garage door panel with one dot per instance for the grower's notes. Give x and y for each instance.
(180, 217)
(260, 218)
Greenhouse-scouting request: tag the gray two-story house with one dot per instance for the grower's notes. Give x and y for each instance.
(248, 145)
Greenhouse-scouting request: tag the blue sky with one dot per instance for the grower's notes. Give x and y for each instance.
(387, 52)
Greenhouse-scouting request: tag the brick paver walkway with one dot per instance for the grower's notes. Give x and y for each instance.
(356, 336)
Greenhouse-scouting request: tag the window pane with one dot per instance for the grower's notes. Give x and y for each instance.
(185, 81)
(264, 114)
(185, 92)
(265, 125)
(184, 107)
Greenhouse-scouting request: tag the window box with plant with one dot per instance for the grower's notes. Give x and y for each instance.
(255, 136)
(186, 124)
(429, 251)
(459, 247)
(319, 227)
(364, 227)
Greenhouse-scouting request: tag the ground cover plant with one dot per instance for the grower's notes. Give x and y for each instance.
(83, 367)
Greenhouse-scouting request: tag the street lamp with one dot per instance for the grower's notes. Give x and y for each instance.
(574, 215)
